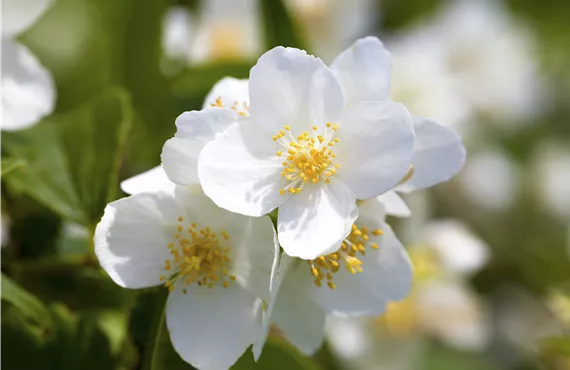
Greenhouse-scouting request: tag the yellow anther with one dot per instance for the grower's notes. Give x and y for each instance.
(282, 191)
(378, 232)
(279, 153)
(180, 219)
(287, 127)
(315, 128)
(335, 127)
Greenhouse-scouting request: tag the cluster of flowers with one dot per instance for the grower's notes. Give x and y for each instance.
(323, 145)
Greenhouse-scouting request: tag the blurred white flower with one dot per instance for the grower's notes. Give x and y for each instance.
(551, 173)
(484, 58)
(332, 25)
(370, 269)
(301, 150)
(28, 91)
(441, 305)
(490, 180)
(221, 30)
(216, 265)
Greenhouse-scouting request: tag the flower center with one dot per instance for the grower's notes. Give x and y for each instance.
(309, 156)
(242, 108)
(198, 256)
(324, 267)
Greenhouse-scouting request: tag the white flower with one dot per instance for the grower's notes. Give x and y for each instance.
(216, 265)
(364, 72)
(369, 270)
(28, 89)
(441, 305)
(221, 30)
(301, 150)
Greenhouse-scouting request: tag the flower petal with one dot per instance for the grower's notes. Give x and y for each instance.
(252, 240)
(439, 154)
(386, 276)
(230, 90)
(394, 204)
(28, 88)
(376, 147)
(211, 328)
(18, 15)
(289, 87)
(152, 180)
(297, 315)
(241, 173)
(194, 130)
(316, 220)
(132, 238)
(364, 71)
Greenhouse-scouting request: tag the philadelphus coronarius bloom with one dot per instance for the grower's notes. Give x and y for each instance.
(216, 264)
(302, 145)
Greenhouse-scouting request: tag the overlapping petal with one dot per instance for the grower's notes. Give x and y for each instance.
(376, 147)
(230, 91)
(194, 130)
(364, 71)
(131, 239)
(439, 154)
(289, 87)
(394, 204)
(149, 181)
(211, 328)
(241, 172)
(316, 220)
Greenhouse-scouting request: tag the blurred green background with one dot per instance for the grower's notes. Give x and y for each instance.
(123, 71)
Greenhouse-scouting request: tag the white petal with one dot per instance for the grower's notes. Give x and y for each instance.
(131, 241)
(289, 87)
(252, 240)
(297, 315)
(194, 130)
(376, 147)
(364, 71)
(230, 90)
(386, 276)
(439, 154)
(458, 248)
(18, 15)
(211, 328)
(240, 173)
(394, 204)
(316, 220)
(177, 32)
(28, 91)
(152, 180)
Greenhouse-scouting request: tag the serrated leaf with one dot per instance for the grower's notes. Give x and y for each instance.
(28, 305)
(277, 355)
(11, 164)
(73, 158)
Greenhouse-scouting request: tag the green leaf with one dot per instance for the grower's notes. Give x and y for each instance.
(159, 353)
(277, 355)
(28, 305)
(280, 28)
(73, 157)
(11, 164)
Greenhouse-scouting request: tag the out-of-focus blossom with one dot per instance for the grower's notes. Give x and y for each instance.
(551, 173)
(28, 91)
(221, 30)
(332, 25)
(441, 305)
(474, 54)
(490, 180)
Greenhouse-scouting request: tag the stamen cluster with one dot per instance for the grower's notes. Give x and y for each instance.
(325, 266)
(309, 156)
(198, 256)
(241, 108)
